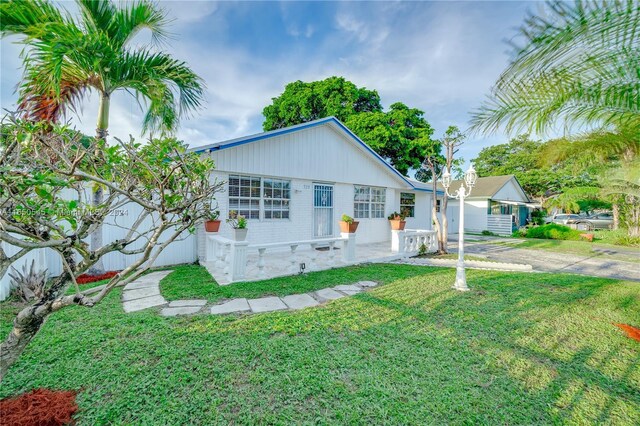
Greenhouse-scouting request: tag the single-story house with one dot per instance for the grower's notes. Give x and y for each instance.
(497, 204)
(295, 183)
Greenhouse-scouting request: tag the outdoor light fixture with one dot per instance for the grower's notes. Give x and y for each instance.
(470, 178)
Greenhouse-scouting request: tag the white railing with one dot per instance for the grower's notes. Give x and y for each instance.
(409, 241)
(232, 257)
(500, 224)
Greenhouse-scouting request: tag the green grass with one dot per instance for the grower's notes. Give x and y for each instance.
(518, 349)
(584, 248)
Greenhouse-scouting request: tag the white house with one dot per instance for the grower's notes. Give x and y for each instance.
(497, 204)
(294, 184)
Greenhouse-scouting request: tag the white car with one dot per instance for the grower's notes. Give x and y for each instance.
(562, 219)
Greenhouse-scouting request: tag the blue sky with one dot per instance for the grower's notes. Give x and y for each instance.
(440, 57)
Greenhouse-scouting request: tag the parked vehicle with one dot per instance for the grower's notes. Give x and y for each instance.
(596, 221)
(561, 219)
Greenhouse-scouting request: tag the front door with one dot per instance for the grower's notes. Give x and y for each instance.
(322, 210)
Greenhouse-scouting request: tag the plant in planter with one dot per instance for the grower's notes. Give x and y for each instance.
(239, 225)
(397, 221)
(348, 225)
(212, 223)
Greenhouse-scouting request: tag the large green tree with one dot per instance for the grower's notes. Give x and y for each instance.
(65, 57)
(401, 135)
(302, 102)
(529, 161)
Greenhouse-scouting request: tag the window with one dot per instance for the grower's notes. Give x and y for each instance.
(244, 196)
(248, 195)
(368, 202)
(407, 204)
(277, 194)
(437, 206)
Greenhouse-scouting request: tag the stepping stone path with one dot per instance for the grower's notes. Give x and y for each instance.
(144, 293)
(291, 302)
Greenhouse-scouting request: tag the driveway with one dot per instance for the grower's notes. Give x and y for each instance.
(597, 265)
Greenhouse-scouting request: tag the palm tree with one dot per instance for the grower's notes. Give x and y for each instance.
(579, 64)
(64, 58)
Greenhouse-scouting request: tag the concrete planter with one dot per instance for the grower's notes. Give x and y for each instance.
(240, 234)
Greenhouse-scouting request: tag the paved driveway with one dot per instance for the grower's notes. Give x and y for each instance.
(597, 265)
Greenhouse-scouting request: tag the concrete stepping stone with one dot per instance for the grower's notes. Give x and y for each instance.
(328, 294)
(182, 310)
(140, 293)
(267, 304)
(192, 302)
(144, 303)
(135, 285)
(299, 301)
(349, 290)
(366, 284)
(235, 305)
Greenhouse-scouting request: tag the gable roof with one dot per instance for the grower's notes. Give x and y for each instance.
(330, 121)
(486, 187)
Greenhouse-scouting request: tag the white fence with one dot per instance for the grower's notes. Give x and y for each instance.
(115, 227)
(500, 224)
(232, 261)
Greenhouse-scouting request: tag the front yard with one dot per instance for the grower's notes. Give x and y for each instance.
(518, 349)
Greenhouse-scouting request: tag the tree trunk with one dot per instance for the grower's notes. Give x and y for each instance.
(434, 213)
(25, 327)
(616, 215)
(98, 193)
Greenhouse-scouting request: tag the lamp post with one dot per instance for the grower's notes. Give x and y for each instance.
(461, 193)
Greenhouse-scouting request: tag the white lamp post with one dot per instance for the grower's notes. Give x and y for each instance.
(470, 178)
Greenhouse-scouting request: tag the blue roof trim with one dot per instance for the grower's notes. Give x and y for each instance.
(320, 122)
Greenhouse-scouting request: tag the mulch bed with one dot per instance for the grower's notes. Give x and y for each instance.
(86, 279)
(632, 332)
(42, 407)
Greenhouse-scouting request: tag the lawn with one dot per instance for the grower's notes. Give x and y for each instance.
(518, 349)
(585, 248)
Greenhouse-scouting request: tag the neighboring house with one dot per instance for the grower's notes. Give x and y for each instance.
(296, 183)
(497, 204)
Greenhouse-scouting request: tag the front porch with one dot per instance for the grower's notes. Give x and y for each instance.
(231, 261)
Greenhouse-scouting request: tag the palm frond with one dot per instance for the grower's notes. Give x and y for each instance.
(579, 66)
(122, 24)
(35, 19)
(172, 89)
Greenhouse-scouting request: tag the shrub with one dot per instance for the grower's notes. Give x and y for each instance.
(520, 233)
(553, 231)
(627, 240)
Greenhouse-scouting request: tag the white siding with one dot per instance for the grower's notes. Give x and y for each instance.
(475, 215)
(316, 154)
(511, 191)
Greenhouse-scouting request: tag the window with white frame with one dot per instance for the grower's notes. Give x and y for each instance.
(276, 194)
(407, 204)
(368, 202)
(249, 195)
(244, 196)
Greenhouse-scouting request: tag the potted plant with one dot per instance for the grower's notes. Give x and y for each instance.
(397, 221)
(347, 224)
(212, 224)
(239, 225)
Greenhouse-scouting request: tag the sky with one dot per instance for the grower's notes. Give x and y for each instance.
(440, 57)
